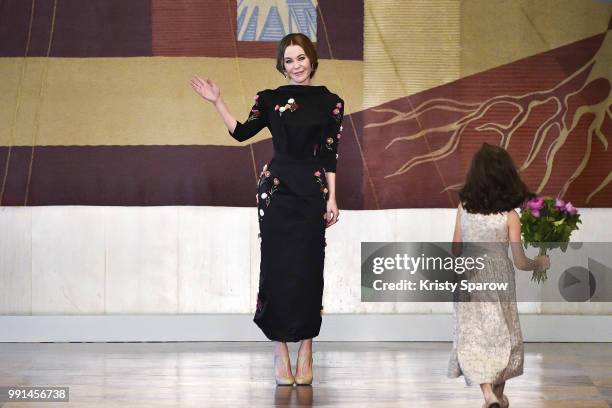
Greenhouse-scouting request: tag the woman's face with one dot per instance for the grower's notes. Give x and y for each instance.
(297, 65)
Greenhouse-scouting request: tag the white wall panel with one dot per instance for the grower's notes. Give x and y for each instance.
(152, 260)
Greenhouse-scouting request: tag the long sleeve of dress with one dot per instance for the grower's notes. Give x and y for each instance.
(329, 150)
(256, 121)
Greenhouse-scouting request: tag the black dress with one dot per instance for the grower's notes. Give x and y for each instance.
(305, 122)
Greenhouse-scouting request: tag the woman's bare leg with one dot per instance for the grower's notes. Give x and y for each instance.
(304, 366)
(282, 363)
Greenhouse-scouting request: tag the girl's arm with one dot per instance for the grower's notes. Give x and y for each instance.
(521, 261)
(457, 242)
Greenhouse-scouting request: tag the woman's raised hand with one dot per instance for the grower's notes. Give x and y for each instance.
(206, 88)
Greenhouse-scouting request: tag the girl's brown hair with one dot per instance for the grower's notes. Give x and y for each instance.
(304, 42)
(492, 184)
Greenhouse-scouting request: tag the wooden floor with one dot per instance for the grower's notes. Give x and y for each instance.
(239, 375)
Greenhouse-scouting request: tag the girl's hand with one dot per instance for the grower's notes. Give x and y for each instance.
(332, 212)
(206, 88)
(542, 262)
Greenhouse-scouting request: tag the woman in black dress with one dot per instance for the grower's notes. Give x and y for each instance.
(296, 199)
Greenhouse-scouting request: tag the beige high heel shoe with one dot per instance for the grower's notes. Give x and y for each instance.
(301, 362)
(288, 379)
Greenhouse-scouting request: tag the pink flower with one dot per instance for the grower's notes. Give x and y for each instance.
(536, 203)
(339, 105)
(339, 136)
(560, 204)
(570, 208)
(276, 107)
(256, 97)
(535, 213)
(336, 111)
(317, 173)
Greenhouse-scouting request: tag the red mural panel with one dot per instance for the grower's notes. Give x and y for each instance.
(208, 28)
(551, 111)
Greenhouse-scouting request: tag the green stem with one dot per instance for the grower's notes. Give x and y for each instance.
(540, 276)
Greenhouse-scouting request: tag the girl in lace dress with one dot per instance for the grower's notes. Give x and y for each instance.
(487, 340)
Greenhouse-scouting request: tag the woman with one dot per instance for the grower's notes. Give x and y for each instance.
(487, 340)
(296, 199)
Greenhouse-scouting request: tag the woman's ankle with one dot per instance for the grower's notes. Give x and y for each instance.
(305, 347)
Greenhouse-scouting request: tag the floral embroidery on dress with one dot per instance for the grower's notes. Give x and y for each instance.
(266, 189)
(331, 143)
(320, 177)
(291, 106)
(255, 113)
(336, 112)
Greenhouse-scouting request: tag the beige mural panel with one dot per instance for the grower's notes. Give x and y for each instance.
(138, 101)
(409, 46)
(20, 100)
(412, 46)
(497, 32)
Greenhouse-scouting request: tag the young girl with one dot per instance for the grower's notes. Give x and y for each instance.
(487, 339)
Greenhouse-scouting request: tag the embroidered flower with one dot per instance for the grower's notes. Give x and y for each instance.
(329, 143)
(277, 107)
(261, 212)
(267, 189)
(254, 114)
(339, 105)
(290, 105)
(320, 178)
(256, 97)
(339, 136)
(337, 114)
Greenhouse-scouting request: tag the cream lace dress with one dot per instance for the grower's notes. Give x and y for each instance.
(487, 339)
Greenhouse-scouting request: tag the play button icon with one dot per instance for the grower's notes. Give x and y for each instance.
(577, 284)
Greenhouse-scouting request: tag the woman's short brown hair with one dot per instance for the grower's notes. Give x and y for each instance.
(304, 42)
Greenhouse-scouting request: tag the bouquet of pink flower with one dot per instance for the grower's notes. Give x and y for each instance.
(547, 223)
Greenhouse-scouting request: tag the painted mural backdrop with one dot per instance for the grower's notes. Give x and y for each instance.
(96, 107)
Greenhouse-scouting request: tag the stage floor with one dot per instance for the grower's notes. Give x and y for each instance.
(347, 374)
